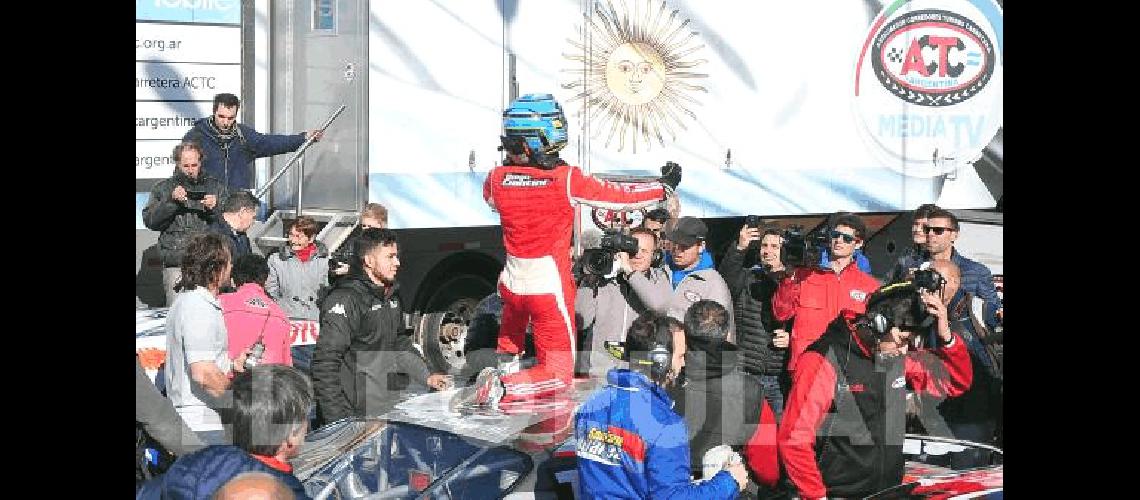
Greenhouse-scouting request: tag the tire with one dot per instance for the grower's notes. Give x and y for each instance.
(444, 326)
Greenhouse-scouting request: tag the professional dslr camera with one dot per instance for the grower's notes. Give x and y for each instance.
(600, 261)
(802, 249)
(929, 280)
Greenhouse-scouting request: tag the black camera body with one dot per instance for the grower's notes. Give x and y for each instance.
(801, 249)
(929, 280)
(600, 261)
(752, 221)
(619, 242)
(196, 193)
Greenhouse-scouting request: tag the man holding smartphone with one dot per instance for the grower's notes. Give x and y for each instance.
(753, 269)
(180, 207)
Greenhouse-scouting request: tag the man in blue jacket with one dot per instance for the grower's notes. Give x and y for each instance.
(630, 443)
(973, 415)
(231, 147)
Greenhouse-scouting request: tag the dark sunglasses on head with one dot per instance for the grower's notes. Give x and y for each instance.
(936, 230)
(847, 238)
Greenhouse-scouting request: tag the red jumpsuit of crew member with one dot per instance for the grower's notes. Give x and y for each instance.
(536, 210)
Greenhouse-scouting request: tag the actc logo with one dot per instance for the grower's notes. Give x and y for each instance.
(928, 84)
(933, 58)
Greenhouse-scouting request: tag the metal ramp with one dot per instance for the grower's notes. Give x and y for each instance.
(336, 226)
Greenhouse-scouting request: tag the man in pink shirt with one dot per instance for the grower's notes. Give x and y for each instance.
(250, 313)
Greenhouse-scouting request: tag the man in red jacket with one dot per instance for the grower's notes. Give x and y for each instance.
(842, 432)
(815, 295)
(536, 194)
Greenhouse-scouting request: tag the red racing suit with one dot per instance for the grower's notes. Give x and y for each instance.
(536, 209)
(843, 429)
(815, 296)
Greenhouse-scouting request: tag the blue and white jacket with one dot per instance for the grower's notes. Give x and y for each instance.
(631, 444)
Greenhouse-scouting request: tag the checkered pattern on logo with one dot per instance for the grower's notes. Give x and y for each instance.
(895, 54)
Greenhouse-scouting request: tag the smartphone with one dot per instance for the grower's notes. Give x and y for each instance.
(752, 221)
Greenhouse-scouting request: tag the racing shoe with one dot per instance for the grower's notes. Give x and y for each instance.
(488, 389)
(483, 395)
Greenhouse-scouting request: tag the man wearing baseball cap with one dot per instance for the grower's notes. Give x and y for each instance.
(694, 277)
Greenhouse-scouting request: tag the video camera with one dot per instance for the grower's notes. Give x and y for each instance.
(600, 261)
(802, 249)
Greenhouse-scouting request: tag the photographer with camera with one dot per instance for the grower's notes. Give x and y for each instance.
(752, 270)
(620, 280)
(815, 295)
(180, 207)
(843, 430)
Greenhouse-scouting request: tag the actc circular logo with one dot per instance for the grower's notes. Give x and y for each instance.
(933, 58)
(928, 89)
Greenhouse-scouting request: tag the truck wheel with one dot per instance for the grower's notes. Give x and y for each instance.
(445, 324)
(444, 337)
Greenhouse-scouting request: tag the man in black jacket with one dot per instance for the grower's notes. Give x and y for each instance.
(238, 212)
(180, 207)
(720, 403)
(752, 281)
(364, 356)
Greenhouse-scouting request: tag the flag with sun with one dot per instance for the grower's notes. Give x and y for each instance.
(634, 73)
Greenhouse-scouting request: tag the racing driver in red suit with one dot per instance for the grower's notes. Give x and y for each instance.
(843, 429)
(536, 194)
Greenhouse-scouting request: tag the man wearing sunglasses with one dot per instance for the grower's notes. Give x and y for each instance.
(913, 256)
(973, 415)
(815, 295)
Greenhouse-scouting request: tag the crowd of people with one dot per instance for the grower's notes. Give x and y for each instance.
(817, 383)
(805, 372)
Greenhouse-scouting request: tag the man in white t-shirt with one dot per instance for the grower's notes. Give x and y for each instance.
(198, 366)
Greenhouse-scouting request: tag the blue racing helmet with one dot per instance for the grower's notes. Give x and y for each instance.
(539, 119)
